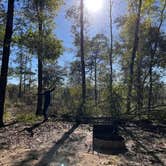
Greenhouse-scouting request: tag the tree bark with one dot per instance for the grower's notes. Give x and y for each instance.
(24, 82)
(139, 86)
(20, 84)
(21, 63)
(150, 93)
(133, 55)
(25, 75)
(96, 95)
(82, 57)
(30, 77)
(153, 52)
(110, 53)
(5, 57)
(40, 72)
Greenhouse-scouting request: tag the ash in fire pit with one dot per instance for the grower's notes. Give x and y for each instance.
(106, 140)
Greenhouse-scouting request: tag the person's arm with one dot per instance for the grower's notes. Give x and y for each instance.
(52, 89)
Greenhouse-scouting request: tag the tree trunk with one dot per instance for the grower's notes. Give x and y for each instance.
(139, 86)
(24, 83)
(40, 72)
(153, 52)
(5, 57)
(30, 77)
(82, 57)
(151, 84)
(110, 53)
(21, 74)
(20, 86)
(96, 81)
(133, 55)
(25, 74)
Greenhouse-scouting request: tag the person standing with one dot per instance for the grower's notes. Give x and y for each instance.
(47, 100)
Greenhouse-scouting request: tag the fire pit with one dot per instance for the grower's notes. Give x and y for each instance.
(106, 140)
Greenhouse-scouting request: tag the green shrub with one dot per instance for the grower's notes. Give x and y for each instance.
(8, 104)
(7, 116)
(19, 104)
(27, 117)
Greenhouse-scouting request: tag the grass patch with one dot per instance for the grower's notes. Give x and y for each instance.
(7, 116)
(28, 117)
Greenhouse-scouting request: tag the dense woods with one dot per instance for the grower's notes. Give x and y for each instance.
(109, 75)
(98, 66)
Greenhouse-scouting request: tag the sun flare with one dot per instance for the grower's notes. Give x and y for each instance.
(93, 5)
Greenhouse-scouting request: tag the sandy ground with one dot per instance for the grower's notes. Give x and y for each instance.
(65, 144)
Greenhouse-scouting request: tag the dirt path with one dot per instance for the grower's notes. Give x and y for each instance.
(66, 144)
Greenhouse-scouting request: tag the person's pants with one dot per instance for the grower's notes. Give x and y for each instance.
(45, 111)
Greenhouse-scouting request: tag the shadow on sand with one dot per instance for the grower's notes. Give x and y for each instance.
(139, 144)
(10, 124)
(48, 156)
(30, 129)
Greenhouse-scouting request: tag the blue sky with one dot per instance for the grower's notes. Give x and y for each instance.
(99, 24)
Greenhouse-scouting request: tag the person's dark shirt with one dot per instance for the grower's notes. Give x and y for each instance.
(47, 97)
